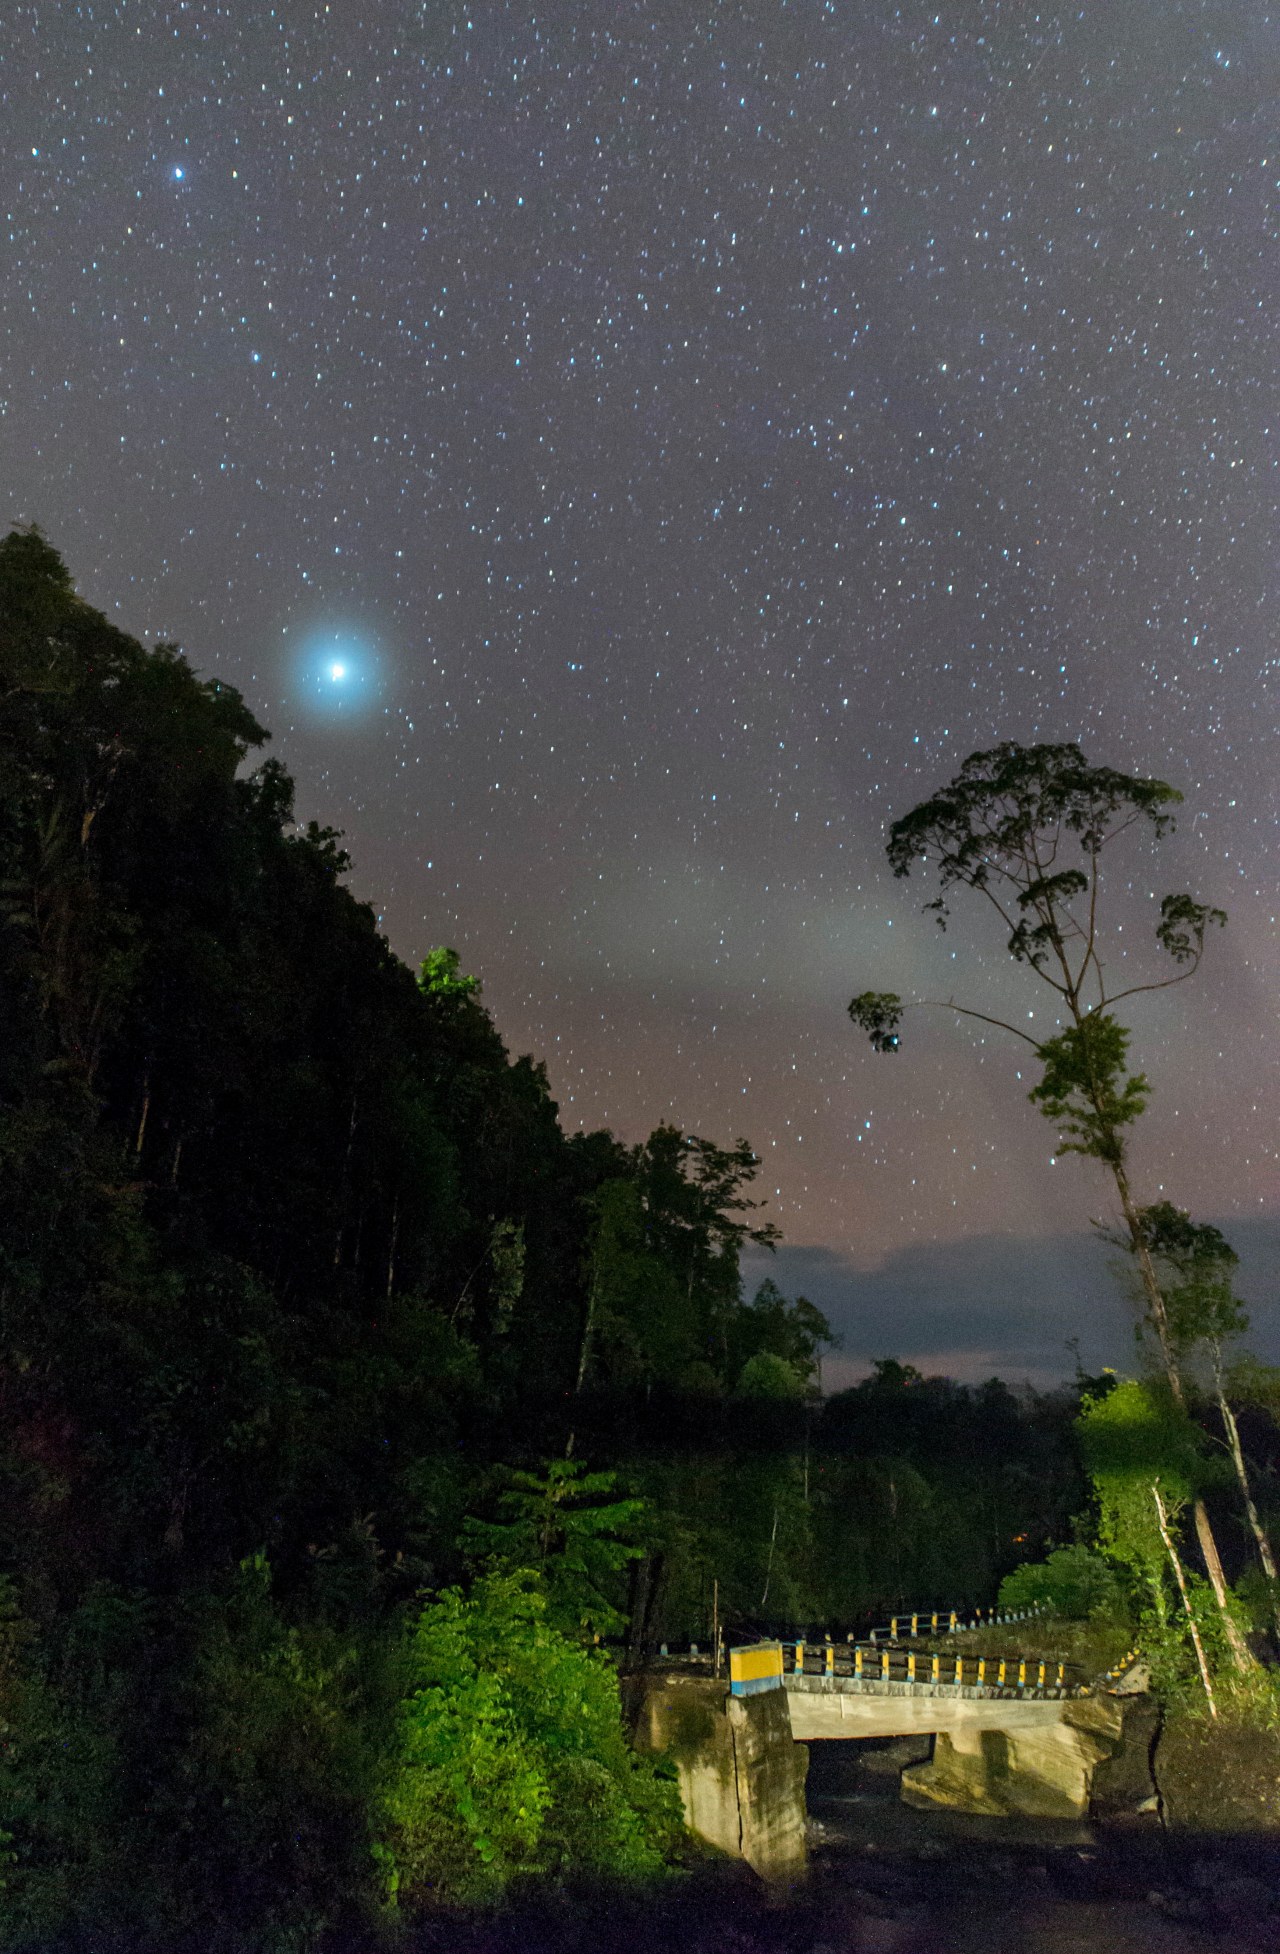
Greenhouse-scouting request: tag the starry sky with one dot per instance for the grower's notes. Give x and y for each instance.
(628, 452)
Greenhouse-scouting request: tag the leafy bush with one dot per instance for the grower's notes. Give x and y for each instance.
(1073, 1582)
(510, 1756)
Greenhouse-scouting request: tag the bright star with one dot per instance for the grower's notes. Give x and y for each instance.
(337, 671)
(178, 173)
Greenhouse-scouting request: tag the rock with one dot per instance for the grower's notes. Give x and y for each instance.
(1219, 1777)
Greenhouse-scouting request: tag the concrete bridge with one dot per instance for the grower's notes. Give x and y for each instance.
(1012, 1735)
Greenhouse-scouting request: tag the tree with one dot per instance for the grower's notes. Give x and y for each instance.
(1142, 1455)
(1026, 828)
(570, 1526)
(1196, 1266)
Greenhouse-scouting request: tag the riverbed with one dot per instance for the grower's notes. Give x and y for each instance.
(887, 1879)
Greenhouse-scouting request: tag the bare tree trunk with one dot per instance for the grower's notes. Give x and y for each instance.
(768, 1572)
(391, 1250)
(1240, 1653)
(1265, 1554)
(1181, 1579)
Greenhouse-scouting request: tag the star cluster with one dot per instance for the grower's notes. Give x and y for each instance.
(706, 424)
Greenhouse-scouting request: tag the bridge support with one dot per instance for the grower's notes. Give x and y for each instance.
(1010, 1769)
(741, 1773)
(1007, 1756)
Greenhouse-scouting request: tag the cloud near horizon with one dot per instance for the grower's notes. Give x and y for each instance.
(998, 1305)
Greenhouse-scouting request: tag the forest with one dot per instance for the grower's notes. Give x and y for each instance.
(343, 1390)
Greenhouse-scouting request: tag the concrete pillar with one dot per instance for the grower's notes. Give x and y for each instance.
(740, 1771)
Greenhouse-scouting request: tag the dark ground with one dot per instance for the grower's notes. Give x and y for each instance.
(887, 1880)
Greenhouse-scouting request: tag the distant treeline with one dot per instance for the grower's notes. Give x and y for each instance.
(308, 1306)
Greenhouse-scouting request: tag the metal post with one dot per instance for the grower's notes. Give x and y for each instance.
(915, 1624)
(1022, 1673)
(982, 1672)
(951, 1626)
(893, 1628)
(1042, 1676)
(884, 1665)
(857, 1663)
(831, 1658)
(799, 1658)
(911, 1667)
(935, 1671)
(1000, 1677)
(959, 1670)
(933, 1621)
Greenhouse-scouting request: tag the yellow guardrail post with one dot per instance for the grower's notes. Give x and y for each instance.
(1043, 1672)
(911, 1667)
(959, 1670)
(830, 1658)
(935, 1669)
(915, 1620)
(893, 1628)
(982, 1672)
(951, 1625)
(1022, 1673)
(1062, 1674)
(799, 1658)
(884, 1665)
(857, 1663)
(933, 1622)
(1000, 1677)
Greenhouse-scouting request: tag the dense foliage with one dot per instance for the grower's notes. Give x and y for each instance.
(310, 1312)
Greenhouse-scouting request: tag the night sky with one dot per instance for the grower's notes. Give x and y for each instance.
(630, 451)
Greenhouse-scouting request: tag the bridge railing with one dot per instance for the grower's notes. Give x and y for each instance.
(884, 1662)
(901, 1654)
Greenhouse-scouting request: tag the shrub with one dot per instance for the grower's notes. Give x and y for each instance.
(1073, 1582)
(510, 1757)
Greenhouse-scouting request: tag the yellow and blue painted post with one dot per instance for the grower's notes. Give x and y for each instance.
(935, 1669)
(1022, 1673)
(933, 1622)
(830, 1655)
(911, 1667)
(756, 1668)
(959, 1670)
(982, 1672)
(915, 1624)
(884, 1665)
(893, 1628)
(799, 1658)
(1000, 1677)
(951, 1625)
(857, 1663)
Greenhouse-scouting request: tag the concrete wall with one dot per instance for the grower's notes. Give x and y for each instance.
(740, 1770)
